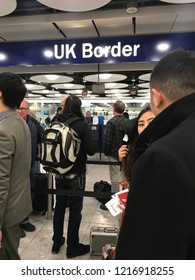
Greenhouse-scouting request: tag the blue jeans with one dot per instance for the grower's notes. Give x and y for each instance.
(75, 204)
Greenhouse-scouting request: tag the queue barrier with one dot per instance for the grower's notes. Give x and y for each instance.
(51, 191)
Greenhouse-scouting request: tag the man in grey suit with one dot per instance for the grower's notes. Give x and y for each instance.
(15, 160)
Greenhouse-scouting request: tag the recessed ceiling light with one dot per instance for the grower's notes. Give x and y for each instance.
(131, 6)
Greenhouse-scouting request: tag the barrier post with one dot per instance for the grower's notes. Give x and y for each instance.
(49, 202)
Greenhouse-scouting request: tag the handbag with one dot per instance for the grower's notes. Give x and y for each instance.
(102, 186)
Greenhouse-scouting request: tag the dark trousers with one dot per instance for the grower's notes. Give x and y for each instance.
(75, 204)
(10, 243)
(32, 185)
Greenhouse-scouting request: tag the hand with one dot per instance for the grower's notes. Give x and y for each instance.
(122, 152)
(122, 204)
(125, 185)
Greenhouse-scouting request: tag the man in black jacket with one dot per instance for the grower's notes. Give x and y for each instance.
(36, 132)
(159, 220)
(73, 180)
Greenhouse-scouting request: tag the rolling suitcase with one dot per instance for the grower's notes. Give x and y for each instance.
(100, 236)
(40, 200)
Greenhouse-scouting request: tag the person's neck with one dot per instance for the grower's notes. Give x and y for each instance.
(3, 107)
(117, 114)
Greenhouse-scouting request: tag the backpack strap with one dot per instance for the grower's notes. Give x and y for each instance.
(71, 120)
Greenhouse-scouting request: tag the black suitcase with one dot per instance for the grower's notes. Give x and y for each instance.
(40, 200)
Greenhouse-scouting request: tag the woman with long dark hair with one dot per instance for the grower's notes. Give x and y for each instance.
(127, 152)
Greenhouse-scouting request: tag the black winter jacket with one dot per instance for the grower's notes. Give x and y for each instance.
(159, 221)
(36, 136)
(88, 146)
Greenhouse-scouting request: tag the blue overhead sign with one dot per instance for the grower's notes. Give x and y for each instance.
(94, 50)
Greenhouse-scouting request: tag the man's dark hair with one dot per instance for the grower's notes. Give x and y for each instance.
(13, 89)
(174, 75)
(119, 107)
(126, 115)
(73, 106)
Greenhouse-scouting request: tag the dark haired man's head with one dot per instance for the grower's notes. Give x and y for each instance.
(126, 115)
(72, 106)
(118, 107)
(59, 110)
(172, 78)
(12, 90)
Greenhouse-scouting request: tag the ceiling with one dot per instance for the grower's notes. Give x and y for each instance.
(32, 20)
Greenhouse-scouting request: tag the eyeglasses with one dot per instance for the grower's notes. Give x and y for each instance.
(22, 109)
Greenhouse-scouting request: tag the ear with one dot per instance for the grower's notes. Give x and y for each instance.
(157, 98)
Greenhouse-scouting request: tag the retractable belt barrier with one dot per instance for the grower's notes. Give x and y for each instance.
(73, 192)
(50, 191)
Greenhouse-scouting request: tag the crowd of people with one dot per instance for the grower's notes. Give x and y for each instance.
(154, 153)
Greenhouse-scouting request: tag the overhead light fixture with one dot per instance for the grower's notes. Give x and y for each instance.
(105, 76)
(7, 7)
(52, 77)
(74, 5)
(178, 1)
(131, 6)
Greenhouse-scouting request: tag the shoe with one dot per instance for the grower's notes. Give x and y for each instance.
(56, 246)
(79, 250)
(103, 207)
(28, 227)
(22, 233)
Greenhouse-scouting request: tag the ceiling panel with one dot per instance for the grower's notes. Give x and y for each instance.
(158, 24)
(114, 26)
(25, 32)
(184, 23)
(75, 29)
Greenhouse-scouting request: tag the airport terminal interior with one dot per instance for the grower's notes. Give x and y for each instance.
(26, 23)
(28, 28)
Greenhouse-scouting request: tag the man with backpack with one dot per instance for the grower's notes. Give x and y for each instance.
(74, 179)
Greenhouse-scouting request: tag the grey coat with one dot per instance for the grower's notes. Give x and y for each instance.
(15, 160)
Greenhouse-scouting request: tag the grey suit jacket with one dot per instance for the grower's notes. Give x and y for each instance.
(15, 159)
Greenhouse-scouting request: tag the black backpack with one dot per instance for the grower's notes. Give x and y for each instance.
(60, 147)
(102, 186)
